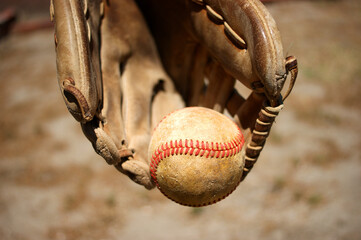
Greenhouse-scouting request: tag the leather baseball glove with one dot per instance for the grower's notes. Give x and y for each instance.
(124, 64)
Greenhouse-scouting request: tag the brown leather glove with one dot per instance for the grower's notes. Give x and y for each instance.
(123, 64)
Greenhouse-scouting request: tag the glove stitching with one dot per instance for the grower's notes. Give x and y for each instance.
(218, 19)
(69, 86)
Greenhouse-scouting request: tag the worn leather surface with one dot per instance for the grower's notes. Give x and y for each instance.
(124, 64)
(197, 167)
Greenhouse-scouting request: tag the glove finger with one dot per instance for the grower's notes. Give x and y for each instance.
(104, 144)
(165, 100)
(142, 76)
(128, 94)
(77, 50)
(244, 38)
(115, 51)
(247, 113)
(105, 130)
(219, 89)
(138, 171)
(108, 132)
(139, 89)
(234, 102)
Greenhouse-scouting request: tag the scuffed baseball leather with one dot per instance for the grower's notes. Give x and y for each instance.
(124, 64)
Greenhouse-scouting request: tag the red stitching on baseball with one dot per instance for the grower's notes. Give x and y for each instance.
(207, 149)
(221, 150)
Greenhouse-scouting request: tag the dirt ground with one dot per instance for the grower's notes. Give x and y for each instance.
(306, 184)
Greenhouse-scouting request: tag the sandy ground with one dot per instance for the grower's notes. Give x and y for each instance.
(306, 184)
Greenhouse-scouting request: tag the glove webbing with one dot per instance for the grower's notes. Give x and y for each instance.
(260, 133)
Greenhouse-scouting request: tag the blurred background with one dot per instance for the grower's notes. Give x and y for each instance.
(305, 185)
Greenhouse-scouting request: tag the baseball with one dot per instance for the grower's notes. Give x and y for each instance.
(196, 156)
